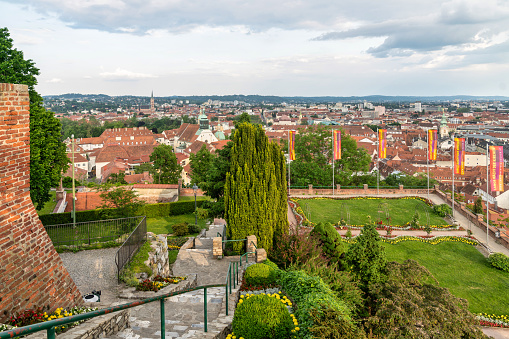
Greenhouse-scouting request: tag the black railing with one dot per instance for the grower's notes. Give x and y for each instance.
(86, 233)
(131, 246)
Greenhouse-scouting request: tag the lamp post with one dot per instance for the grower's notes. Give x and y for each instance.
(195, 189)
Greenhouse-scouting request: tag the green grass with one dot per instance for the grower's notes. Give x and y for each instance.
(137, 265)
(401, 211)
(462, 269)
(162, 225)
(191, 198)
(50, 205)
(172, 256)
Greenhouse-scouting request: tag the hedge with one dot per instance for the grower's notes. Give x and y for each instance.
(149, 210)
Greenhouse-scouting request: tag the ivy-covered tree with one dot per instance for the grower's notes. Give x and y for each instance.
(47, 152)
(166, 169)
(200, 165)
(255, 189)
(478, 206)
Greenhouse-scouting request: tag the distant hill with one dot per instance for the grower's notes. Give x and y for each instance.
(269, 99)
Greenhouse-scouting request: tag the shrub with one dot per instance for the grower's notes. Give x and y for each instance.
(180, 229)
(260, 274)
(332, 245)
(500, 261)
(193, 228)
(442, 210)
(202, 213)
(260, 317)
(328, 323)
(294, 249)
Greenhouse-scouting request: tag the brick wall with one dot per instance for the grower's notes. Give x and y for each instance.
(31, 272)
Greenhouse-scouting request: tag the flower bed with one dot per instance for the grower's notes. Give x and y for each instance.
(433, 240)
(493, 320)
(157, 283)
(176, 243)
(30, 317)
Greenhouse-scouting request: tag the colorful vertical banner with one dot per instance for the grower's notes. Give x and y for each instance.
(291, 144)
(337, 144)
(382, 143)
(459, 156)
(497, 168)
(432, 144)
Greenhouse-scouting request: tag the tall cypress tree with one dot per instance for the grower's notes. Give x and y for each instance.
(255, 189)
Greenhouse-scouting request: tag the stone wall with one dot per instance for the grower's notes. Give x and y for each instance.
(32, 275)
(158, 256)
(295, 192)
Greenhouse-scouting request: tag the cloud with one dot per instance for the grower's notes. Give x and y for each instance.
(122, 75)
(54, 81)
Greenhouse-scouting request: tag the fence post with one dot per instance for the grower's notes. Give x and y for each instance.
(50, 332)
(163, 329)
(230, 276)
(226, 295)
(205, 307)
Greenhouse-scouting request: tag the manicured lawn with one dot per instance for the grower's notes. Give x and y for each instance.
(462, 269)
(401, 211)
(191, 198)
(162, 225)
(50, 205)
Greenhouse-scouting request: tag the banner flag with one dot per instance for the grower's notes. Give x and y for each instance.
(291, 144)
(382, 143)
(497, 168)
(432, 144)
(337, 144)
(459, 156)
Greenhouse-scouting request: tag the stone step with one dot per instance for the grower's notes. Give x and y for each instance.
(203, 243)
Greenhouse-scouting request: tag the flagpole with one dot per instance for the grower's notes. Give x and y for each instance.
(487, 194)
(427, 161)
(333, 156)
(289, 162)
(378, 162)
(453, 168)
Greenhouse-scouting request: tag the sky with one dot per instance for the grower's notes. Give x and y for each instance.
(265, 47)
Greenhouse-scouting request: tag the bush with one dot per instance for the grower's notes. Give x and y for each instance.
(261, 317)
(294, 249)
(260, 274)
(202, 213)
(442, 210)
(180, 229)
(328, 323)
(500, 261)
(332, 245)
(194, 228)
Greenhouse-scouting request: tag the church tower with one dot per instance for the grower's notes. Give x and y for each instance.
(152, 108)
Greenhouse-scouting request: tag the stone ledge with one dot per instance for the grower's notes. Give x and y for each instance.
(131, 293)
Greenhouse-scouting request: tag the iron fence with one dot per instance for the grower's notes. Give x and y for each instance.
(131, 246)
(86, 233)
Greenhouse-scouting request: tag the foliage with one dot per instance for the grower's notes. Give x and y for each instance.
(137, 265)
(200, 165)
(500, 261)
(366, 258)
(117, 178)
(260, 274)
(216, 175)
(408, 180)
(255, 188)
(294, 249)
(330, 241)
(166, 169)
(193, 228)
(180, 229)
(202, 213)
(442, 210)
(67, 182)
(478, 206)
(120, 202)
(414, 223)
(144, 167)
(313, 150)
(47, 152)
(409, 304)
(261, 317)
(328, 323)
(157, 283)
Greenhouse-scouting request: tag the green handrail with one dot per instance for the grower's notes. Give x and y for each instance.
(49, 326)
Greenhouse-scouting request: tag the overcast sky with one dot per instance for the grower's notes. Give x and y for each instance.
(267, 47)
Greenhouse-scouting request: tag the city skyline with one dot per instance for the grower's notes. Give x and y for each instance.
(307, 48)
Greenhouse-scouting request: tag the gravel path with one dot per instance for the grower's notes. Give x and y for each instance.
(94, 270)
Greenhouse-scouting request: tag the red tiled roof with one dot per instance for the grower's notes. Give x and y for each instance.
(155, 186)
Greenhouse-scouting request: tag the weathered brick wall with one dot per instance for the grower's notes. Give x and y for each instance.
(31, 272)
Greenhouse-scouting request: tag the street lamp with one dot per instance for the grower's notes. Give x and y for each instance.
(195, 189)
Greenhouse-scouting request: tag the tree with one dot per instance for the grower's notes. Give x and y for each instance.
(255, 189)
(47, 152)
(366, 258)
(313, 164)
(166, 169)
(409, 304)
(144, 167)
(200, 164)
(478, 206)
(124, 201)
(117, 178)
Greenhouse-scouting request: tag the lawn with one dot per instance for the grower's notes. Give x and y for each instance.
(162, 225)
(50, 205)
(191, 198)
(462, 269)
(400, 211)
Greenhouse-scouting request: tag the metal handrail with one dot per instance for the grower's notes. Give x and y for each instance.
(50, 325)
